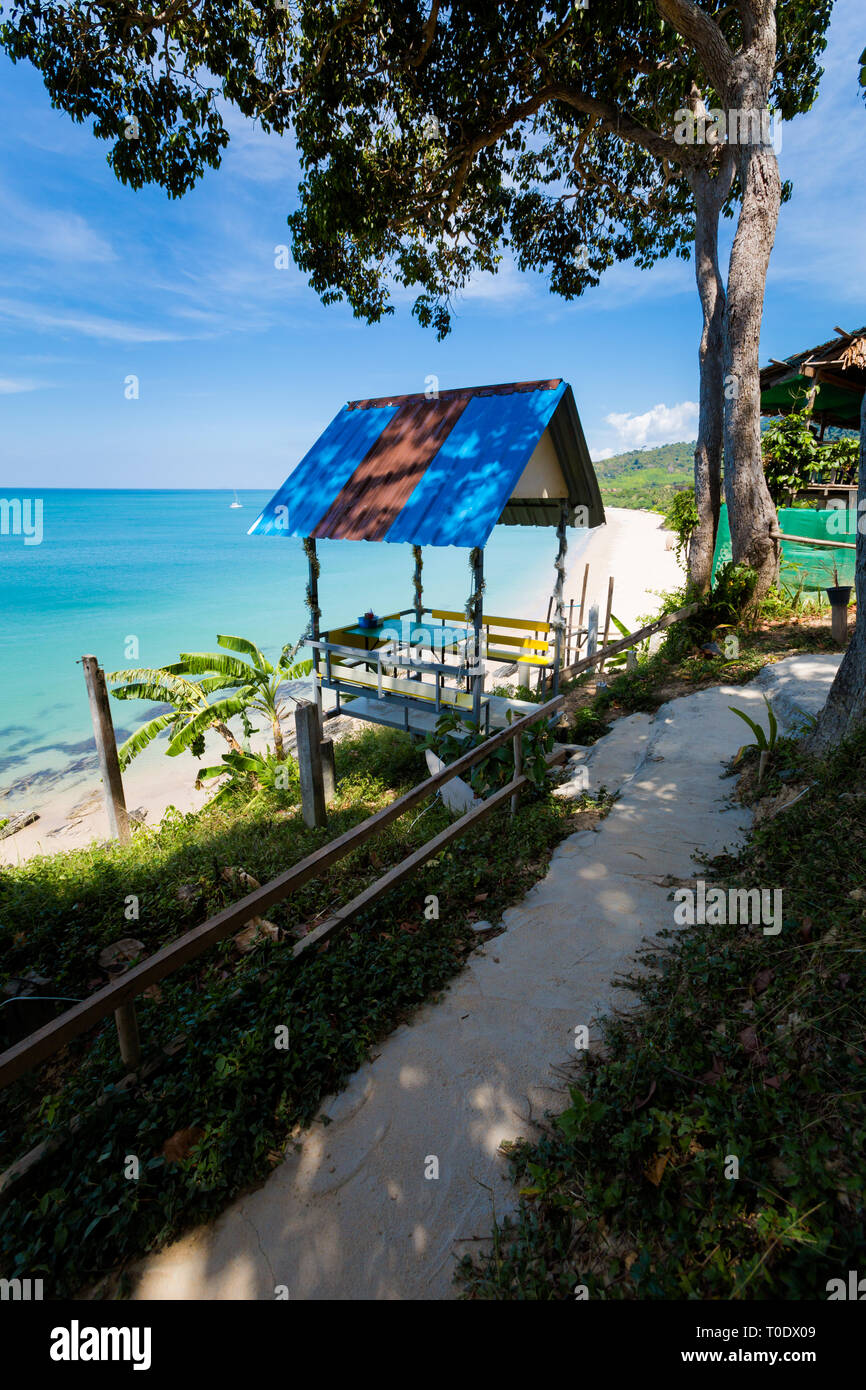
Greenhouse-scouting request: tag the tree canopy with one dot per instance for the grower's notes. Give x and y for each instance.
(433, 137)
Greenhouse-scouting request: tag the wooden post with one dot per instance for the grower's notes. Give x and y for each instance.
(329, 771)
(106, 748)
(568, 638)
(418, 583)
(478, 584)
(592, 630)
(308, 730)
(631, 660)
(839, 623)
(607, 621)
(518, 770)
(557, 595)
(127, 1035)
(313, 588)
(582, 605)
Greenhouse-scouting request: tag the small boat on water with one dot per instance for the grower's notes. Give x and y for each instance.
(236, 503)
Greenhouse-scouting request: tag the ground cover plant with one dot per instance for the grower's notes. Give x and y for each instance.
(743, 1046)
(217, 1114)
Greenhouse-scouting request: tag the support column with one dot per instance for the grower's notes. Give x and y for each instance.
(558, 601)
(475, 615)
(315, 615)
(418, 584)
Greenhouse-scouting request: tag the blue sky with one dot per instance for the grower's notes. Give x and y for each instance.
(240, 367)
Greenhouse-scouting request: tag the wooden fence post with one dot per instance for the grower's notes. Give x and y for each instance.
(127, 1034)
(106, 748)
(329, 770)
(606, 622)
(582, 608)
(839, 623)
(309, 742)
(592, 630)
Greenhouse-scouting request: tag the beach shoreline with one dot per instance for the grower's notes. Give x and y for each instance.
(631, 546)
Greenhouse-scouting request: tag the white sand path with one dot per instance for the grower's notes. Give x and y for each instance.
(354, 1213)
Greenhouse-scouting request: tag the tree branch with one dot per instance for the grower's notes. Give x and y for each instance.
(704, 35)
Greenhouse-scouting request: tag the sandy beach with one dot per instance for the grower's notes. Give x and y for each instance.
(631, 547)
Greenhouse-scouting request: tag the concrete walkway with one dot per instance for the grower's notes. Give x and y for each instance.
(354, 1214)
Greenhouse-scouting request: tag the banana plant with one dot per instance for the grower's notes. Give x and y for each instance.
(192, 714)
(256, 680)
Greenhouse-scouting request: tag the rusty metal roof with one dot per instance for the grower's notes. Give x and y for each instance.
(436, 470)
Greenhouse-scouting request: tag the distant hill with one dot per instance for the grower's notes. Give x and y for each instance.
(646, 478)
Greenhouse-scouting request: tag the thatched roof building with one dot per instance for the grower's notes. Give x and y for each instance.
(833, 374)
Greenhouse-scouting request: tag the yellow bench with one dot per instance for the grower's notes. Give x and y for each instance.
(397, 685)
(506, 646)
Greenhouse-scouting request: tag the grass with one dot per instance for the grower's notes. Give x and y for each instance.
(236, 1097)
(743, 1046)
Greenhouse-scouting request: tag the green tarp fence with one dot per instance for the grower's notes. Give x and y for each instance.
(810, 565)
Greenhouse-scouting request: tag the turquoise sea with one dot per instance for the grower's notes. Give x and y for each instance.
(173, 569)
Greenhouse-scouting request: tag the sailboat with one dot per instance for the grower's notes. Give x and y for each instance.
(236, 503)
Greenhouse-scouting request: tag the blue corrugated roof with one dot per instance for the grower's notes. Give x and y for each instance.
(466, 487)
(432, 472)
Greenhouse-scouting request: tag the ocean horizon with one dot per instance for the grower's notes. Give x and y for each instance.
(170, 569)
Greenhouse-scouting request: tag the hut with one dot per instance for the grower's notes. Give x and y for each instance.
(830, 379)
(438, 469)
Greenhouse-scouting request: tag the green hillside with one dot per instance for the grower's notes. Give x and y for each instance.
(646, 477)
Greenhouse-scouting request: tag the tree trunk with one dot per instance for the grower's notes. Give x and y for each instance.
(279, 748)
(227, 735)
(751, 513)
(846, 704)
(709, 194)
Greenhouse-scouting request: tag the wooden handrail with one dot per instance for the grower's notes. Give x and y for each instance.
(27, 1053)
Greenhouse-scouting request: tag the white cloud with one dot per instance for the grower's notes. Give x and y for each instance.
(50, 233)
(599, 455)
(12, 386)
(663, 424)
(502, 286)
(88, 325)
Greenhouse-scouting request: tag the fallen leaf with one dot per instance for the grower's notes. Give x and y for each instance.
(655, 1170)
(176, 1148)
(714, 1075)
(763, 980)
(257, 930)
(239, 878)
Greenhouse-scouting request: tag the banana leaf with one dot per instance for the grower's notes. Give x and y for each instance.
(142, 737)
(241, 644)
(199, 663)
(203, 719)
